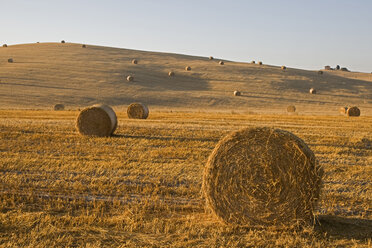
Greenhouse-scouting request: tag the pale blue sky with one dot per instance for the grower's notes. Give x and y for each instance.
(302, 34)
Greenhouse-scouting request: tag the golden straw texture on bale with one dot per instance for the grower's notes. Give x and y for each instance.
(59, 107)
(291, 109)
(237, 93)
(98, 120)
(343, 110)
(134, 61)
(260, 62)
(188, 68)
(353, 111)
(210, 57)
(262, 176)
(253, 62)
(221, 63)
(137, 111)
(171, 73)
(284, 67)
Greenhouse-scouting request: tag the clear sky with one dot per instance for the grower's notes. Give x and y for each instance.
(302, 34)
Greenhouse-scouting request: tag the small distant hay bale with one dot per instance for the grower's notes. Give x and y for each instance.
(284, 67)
(253, 62)
(291, 109)
(312, 91)
(188, 68)
(320, 72)
(211, 58)
(99, 120)
(137, 111)
(237, 93)
(130, 78)
(353, 111)
(171, 74)
(59, 107)
(5, 45)
(83, 46)
(221, 63)
(327, 67)
(262, 176)
(343, 110)
(62, 41)
(260, 62)
(134, 61)
(10, 60)
(344, 69)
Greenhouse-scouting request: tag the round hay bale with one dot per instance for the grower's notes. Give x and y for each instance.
(211, 58)
(262, 176)
(171, 74)
(221, 63)
(353, 111)
(320, 72)
(343, 110)
(62, 41)
(83, 46)
(260, 62)
(130, 78)
(99, 120)
(58, 107)
(134, 61)
(188, 68)
(137, 111)
(253, 62)
(291, 109)
(5, 45)
(10, 60)
(283, 67)
(344, 69)
(312, 91)
(237, 93)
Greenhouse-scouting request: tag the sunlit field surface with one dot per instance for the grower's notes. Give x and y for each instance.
(142, 187)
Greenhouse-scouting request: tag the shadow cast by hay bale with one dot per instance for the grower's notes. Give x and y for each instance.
(343, 227)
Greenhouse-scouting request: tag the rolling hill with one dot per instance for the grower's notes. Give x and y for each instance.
(44, 74)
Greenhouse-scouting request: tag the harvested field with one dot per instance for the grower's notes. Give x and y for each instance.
(142, 186)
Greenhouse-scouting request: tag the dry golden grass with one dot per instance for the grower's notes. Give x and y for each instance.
(47, 73)
(141, 187)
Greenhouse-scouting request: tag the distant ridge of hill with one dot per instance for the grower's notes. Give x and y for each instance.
(44, 74)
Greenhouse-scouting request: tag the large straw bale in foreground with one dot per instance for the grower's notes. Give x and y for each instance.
(137, 111)
(353, 111)
(262, 176)
(99, 120)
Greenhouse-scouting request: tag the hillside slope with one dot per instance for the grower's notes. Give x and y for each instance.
(44, 74)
